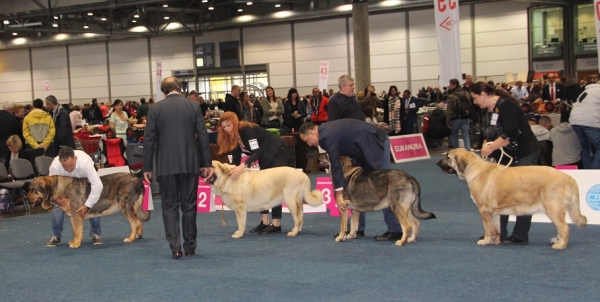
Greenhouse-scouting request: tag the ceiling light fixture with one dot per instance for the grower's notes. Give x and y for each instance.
(6, 22)
(211, 8)
(204, 1)
(55, 17)
(85, 26)
(14, 34)
(248, 3)
(90, 14)
(103, 18)
(166, 17)
(54, 24)
(277, 5)
(165, 5)
(136, 15)
(134, 21)
(240, 10)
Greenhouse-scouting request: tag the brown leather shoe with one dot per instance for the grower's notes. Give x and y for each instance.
(177, 254)
(190, 253)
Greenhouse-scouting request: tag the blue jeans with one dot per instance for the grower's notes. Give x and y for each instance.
(58, 218)
(588, 137)
(464, 125)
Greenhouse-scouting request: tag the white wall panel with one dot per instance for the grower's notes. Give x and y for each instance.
(320, 41)
(501, 38)
(129, 70)
(175, 53)
(50, 64)
(271, 45)
(15, 77)
(88, 68)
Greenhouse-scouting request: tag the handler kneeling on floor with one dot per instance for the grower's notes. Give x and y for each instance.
(366, 143)
(75, 163)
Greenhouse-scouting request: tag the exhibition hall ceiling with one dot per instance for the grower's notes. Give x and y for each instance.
(35, 23)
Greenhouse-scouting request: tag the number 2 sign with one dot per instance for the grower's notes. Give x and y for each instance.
(204, 203)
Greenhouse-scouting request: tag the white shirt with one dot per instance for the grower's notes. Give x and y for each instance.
(586, 111)
(519, 93)
(84, 168)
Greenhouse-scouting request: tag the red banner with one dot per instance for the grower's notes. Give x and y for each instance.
(408, 148)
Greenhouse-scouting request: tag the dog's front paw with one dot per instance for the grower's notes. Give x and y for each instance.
(340, 238)
(483, 242)
(237, 235)
(292, 233)
(351, 236)
(127, 240)
(411, 240)
(559, 246)
(73, 244)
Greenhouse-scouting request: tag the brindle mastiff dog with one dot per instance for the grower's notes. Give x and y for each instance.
(122, 191)
(516, 190)
(372, 190)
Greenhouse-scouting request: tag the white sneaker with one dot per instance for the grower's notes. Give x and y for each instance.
(96, 239)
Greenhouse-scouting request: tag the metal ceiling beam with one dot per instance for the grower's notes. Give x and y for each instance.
(41, 6)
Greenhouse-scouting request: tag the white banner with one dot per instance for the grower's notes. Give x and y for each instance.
(159, 95)
(447, 20)
(323, 75)
(47, 87)
(597, 13)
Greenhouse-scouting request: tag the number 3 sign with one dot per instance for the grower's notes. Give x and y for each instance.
(325, 185)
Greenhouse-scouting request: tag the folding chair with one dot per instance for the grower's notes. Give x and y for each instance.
(114, 150)
(22, 170)
(42, 164)
(18, 185)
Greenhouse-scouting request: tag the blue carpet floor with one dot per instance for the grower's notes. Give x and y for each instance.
(445, 264)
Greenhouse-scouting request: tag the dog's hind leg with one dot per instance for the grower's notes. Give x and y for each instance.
(135, 225)
(295, 207)
(401, 213)
(140, 233)
(77, 224)
(415, 227)
(558, 218)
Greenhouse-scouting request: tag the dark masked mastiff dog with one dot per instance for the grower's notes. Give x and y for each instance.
(516, 190)
(122, 191)
(261, 190)
(372, 190)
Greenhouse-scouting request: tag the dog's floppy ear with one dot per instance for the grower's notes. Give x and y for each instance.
(461, 163)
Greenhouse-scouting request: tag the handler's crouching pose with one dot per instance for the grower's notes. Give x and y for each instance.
(75, 163)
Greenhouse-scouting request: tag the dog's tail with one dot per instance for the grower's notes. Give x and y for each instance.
(314, 197)
(573, 206)
(415, 207)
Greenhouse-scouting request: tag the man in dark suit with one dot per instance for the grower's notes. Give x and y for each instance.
(232, 103)
(174, 128)
(62, 123)
(552, 90)
(411, 106)
(364, 142)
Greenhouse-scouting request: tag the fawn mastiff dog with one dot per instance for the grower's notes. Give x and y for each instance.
(121, 192)
(516, 190)
(261, 190)
(372, 190)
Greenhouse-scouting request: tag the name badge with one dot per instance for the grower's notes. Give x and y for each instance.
(412, 105)
(253, 144)
(494, 119)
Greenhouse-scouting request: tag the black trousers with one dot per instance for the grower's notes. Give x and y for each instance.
(177, 192)
(280, 160)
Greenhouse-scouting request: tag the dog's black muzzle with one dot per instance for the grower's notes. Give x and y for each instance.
(443, 164)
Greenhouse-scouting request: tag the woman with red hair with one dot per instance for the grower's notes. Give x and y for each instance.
(259, 144)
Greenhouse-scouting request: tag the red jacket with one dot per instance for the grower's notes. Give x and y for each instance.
(323, 113)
